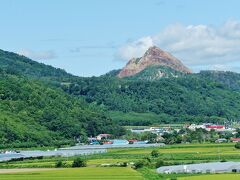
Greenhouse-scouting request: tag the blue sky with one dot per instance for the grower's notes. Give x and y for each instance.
(92, 37)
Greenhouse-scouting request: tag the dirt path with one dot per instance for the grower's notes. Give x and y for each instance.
(6, 171)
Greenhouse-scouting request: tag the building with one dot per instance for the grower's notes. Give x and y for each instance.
(139, 130)
(155, 130)
(215, 167)
(194, 126)
(120, 142)
(215, 127)
(103, 136)
(221, 140)
(235, 139)
(209, 127)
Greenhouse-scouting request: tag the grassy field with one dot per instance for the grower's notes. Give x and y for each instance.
(75, 174)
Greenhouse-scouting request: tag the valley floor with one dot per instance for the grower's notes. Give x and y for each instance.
(173, 154)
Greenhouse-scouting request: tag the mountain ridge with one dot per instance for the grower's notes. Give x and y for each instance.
(197, 97)
(15, 63)
(154, 56)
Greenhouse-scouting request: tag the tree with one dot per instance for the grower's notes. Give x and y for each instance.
(59, 164)
(151, 137)
(238, 133)
(154, 153)
(237, 145)
(139, 164)
(79, 162)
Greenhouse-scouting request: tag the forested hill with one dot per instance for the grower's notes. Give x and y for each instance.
(17, 64)
(33, 114)
(229, 79)
(192, 98)
(202, 97)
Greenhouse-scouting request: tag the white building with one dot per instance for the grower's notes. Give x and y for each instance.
(194, 126)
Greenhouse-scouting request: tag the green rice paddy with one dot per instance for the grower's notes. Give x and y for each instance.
(76, 174)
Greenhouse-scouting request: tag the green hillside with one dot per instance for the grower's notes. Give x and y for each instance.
(192, 98)
(208, 96)
(229, 79)
(14, 63)
(33, 113)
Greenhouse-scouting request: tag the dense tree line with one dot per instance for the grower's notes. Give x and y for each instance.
(189, 98)
(229, 79)
(34, 113)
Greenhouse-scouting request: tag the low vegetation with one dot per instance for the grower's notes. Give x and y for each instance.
(79, 162)
(155, 153)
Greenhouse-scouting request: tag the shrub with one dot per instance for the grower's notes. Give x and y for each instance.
(139, 164)
(148, 159)
(79, 162)
(237, 145)
(59, 164)
(154, 153)
(160, 163)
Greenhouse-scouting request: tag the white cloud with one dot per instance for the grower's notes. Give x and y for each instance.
(195, 45)
(135, 48)
(40, 55)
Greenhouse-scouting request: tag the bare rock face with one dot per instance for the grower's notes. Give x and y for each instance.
(153, 56)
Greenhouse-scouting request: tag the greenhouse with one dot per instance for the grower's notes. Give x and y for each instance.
(215, 167)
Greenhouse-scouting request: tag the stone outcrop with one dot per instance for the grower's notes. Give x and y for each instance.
(153, 56)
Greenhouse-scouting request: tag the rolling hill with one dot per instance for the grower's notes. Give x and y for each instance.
(161, 89)
(36, 114)
(17, 64)
(59, 107)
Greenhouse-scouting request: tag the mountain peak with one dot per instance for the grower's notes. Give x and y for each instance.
(154, 56)
(154, 49)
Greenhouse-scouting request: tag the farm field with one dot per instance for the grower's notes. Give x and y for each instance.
(171, 154)
(75, 174)
(188, 153)
(102, 173)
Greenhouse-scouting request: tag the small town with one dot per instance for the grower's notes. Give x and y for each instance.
(222, 134)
